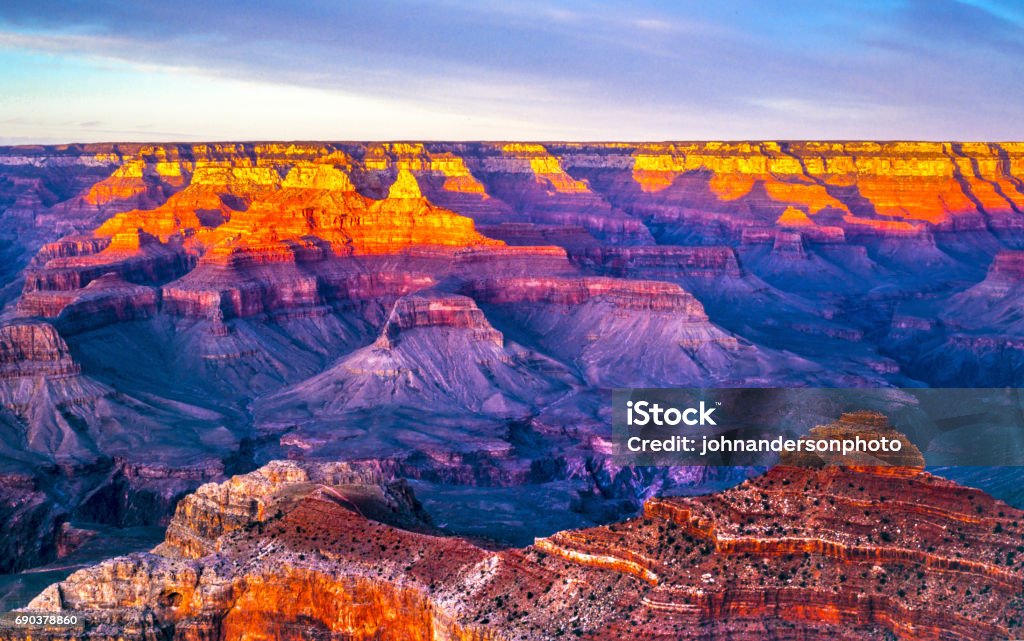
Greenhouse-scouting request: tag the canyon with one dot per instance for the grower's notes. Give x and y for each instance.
(448, 319)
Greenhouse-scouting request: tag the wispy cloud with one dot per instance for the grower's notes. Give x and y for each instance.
(582, 69)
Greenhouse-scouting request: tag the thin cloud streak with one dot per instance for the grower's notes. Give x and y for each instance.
(583, 70)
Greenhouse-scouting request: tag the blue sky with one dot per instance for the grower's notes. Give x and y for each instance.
(484, 69)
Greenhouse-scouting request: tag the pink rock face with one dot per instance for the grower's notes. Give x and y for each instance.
(1008, 265)
(135, 257)
(33, 348)
(411, 312)
(106, 300)
(69, 247)
(708, 262)
(652, 296)
(789, 244)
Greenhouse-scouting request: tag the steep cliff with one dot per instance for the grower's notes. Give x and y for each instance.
(32, 524)
(216, 509)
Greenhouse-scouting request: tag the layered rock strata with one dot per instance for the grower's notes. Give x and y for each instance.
(847, 553)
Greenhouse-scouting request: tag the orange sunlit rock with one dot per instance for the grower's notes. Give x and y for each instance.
(810, 195)
(734, 172)
(125, 182)
(937, 183)
(793, 217)
(236, 204)
(546, 167)
(450, 168)
(313, 199)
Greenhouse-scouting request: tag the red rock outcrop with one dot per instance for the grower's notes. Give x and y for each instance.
(239, 290)
(303, 276)
(70, 246)
(216, 509)
(105, 300)
(134, 255)
(868, 426)
(832, 553)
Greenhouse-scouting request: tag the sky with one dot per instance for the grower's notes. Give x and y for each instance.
(90, 71)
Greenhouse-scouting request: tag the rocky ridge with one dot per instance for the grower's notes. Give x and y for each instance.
(800, 553)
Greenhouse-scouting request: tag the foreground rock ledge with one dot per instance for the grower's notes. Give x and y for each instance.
(829, 553)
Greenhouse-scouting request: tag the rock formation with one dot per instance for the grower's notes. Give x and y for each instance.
(435, 354)
(797, 553)
(33, 348)
(621, 333)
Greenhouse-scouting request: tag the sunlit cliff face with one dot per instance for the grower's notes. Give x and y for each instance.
(238, 204)
(229, 206)
(866, 184)
(929, 182)
(444, 169)
(545, 167)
